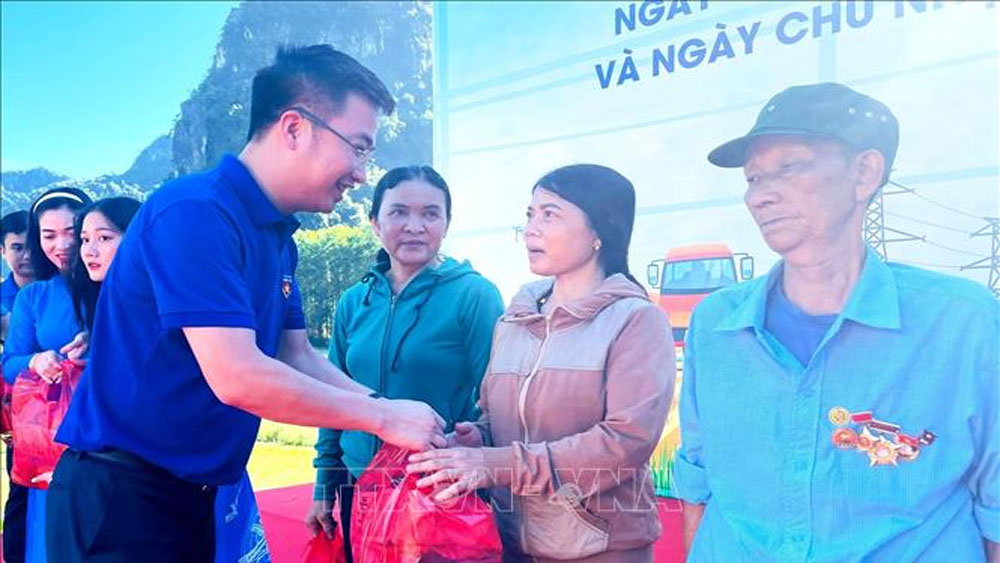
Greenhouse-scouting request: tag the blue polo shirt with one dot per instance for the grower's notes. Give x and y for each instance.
(806, 462)
(41, 319)
(8, 291)
(207, 250)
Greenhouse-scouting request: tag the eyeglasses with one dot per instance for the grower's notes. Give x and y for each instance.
(363, 153)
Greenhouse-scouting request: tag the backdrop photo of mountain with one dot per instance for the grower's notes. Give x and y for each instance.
(391, 38)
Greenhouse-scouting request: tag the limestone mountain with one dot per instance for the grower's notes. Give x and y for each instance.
(153, 165)
(15, 187)
(393, 38)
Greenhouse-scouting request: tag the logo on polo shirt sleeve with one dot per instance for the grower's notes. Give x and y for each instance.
(286, 285)
(883, 442)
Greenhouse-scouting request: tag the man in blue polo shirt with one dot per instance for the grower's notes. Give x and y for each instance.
(840, 408)
(199, 329)
(14, 249)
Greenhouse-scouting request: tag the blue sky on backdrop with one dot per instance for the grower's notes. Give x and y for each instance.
(87, 85)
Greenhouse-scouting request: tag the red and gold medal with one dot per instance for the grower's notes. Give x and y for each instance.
(839, 416)
(907, 452)
(845, 438)
(865, 440)
(882, 452)
(883, 442)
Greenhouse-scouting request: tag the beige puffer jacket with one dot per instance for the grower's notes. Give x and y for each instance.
(573, 405)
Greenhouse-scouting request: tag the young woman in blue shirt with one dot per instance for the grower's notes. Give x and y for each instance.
(43, 327)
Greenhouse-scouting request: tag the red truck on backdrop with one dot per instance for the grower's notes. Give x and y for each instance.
(691, 272)
(678, 283)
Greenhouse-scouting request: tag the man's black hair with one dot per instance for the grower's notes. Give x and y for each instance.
(318, 77)
(15, 223)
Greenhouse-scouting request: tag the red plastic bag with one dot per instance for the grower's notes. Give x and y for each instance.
(394, 522)
(38, 409)
(322, 549)
(6, 420)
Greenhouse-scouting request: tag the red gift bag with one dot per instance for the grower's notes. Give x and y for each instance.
(394, 522)
(6, 420)
(38, 409)
(322, 549)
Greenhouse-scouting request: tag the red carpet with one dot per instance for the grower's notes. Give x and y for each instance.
(283, 511)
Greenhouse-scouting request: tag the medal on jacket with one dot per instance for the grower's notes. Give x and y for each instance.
(882, 452)
(883, 442)
(845, 438)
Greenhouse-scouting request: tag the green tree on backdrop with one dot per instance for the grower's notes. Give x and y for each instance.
(331, 260)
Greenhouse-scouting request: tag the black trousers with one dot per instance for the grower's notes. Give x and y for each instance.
(346, 495)
(114, 507)
(15, 516)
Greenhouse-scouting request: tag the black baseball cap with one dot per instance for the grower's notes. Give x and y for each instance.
(827, 110)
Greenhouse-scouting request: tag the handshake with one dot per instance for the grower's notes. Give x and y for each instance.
(415, 426)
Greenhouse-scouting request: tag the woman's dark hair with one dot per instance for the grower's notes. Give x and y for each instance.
(608, 200)
(56, 198)
(119, 212)
(399, 175)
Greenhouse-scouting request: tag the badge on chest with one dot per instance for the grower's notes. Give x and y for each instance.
(884, 443)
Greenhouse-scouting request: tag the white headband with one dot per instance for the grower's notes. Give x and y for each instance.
(54, 195)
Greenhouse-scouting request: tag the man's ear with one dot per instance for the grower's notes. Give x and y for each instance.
(290, 128)
(867, 172)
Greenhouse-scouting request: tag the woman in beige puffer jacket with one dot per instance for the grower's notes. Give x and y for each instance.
(577, 389)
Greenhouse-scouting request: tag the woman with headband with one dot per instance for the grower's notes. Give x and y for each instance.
(43, 327)
(577, 390)
(66, 309)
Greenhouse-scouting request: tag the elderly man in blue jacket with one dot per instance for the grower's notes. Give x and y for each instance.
(841, 408)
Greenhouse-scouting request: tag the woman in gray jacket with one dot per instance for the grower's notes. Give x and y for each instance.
(577, 389)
